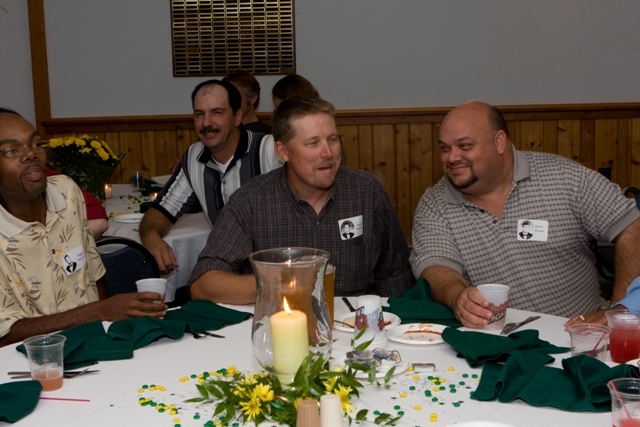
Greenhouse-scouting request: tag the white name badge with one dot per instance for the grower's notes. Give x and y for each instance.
(532, 230)
(350, 228)
(73, 260)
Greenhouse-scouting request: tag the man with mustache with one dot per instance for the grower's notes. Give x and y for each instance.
(465, 230)
(304, 204)
(42, 231)
(226, 157)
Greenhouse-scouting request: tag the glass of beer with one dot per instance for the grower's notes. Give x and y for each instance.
(329, 288)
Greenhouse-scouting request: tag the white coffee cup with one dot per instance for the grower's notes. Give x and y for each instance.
(153, 285)
(369, 315)
(497, 295)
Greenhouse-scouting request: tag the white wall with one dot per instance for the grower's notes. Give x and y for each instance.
(16, 85)
(109, 58)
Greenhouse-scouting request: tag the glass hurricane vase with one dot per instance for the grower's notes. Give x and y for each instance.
(291, 317)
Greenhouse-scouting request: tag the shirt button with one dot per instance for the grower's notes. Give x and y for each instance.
(495, 220)
(224, 182)
(318, 223)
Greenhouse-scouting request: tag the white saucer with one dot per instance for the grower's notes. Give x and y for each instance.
(390, 319)
(128, 218)
(417, 334)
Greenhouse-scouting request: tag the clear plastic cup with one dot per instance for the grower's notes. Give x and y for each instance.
(46, 359)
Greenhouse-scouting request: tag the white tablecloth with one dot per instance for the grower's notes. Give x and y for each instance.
(113, 393)
(187, 236)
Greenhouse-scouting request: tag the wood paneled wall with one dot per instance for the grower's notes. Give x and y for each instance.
(401, 144)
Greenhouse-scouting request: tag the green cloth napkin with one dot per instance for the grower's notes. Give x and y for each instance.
(18, 399)
(145, 206)
(416, 307)
(193, 317)
(579, 387)
(87, 344)
(150, 187)
(524, 347)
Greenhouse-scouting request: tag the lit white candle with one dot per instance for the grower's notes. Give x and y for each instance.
(108, 191)
(290, 342)
(153, 196)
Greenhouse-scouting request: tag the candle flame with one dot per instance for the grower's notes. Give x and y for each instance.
(286, 306)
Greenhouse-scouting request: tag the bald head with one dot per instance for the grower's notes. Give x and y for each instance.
(475, 148)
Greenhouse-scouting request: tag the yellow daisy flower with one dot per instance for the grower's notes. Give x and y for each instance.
(263, 392)
(329, 384)
(343, 393)
(251, 408)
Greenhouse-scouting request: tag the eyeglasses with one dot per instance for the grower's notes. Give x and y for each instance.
(17, 150)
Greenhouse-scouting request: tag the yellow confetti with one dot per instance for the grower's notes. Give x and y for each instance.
(176, 420)
(451, 368)
(418, 407)
(403, 395)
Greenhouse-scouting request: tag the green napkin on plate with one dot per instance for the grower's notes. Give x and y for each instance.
(193, 317)
(524, 347)
(416, 306)
(580, 386)
(18, 399)
(87, 344)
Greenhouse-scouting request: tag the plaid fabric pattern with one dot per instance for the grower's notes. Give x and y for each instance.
(266, 213)
(557, 276)
(197, 183)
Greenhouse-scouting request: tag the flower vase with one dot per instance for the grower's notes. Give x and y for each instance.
(291, 317)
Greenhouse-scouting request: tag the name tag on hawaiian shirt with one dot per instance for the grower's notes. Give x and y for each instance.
(533, 230)
(73, 260)
(350, 228)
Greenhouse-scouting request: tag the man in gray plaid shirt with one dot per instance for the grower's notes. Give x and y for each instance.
(306, 203)
(522, 219)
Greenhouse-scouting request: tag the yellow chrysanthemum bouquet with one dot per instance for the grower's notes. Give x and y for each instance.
(86, 159)
(256, 397)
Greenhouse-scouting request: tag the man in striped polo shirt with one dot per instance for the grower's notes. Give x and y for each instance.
(226, 157)
(473, 226)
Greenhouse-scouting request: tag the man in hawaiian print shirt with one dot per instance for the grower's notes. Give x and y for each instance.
(42, 232)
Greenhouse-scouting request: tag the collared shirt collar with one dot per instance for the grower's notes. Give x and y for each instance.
(521, 171)
(242, 148)
(11, 226)
(285, 184)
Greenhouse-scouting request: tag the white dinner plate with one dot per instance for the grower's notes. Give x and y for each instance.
(128, 218)
(391, 321)
(479, 424)
(162, 180)
(400, 368)
(417, 333)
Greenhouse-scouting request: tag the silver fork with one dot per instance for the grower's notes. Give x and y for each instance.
(205, 334)
(65, 374)
(510, 327)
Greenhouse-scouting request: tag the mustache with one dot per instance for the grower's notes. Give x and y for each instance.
(208, 129)
(31, 167)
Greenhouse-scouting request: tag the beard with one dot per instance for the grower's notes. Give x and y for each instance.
(463, 184)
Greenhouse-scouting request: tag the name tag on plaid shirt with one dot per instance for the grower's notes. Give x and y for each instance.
(350, 228)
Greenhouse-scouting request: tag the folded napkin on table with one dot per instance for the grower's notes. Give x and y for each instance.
(145, 206)
(150, 187)
(87, 344)
(524, 347)
(18, 399)
(193, 317)
(580, 386)
(416, 307)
